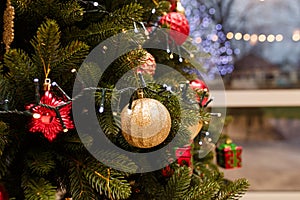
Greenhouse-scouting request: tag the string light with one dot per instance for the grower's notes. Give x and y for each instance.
(262, 37)
(246, 37)
(254, 38)
(271, 38)
(296, 36)
(238, 36)
(279, 38)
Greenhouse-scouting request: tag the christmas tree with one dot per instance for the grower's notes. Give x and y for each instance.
(78, 77)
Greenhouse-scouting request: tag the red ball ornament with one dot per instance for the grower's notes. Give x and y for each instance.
(148, 66)
(200, 86)
(167, 171)
(177, 22)
(51, 116)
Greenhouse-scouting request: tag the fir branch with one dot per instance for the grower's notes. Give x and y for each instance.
(74, 145)
(21, 69)
(151, 185)
(112, 158)
(204, 191)
(234, 190)
(19, 64)
(178, 185)
(115, 22)
(113, 185)
(38, 189)
(67, 12)
(40, 161)
(72, 55)
(106, 181)
(9, 150)
(3, 137)
(127, 15)
(46, 44)
(108, 124)
(79, 186)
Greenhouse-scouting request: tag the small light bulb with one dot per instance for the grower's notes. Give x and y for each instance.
(73, 70)
(180, 59)
(96, 4)
(169, 88)
(171, 56)
(36, 115)
(66, 130)
(101, 109)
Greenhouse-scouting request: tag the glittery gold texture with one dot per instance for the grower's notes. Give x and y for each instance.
(8, 19)
(147, 124)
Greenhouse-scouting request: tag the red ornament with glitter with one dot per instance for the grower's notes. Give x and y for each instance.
(51, 116)
(148, 66)
(199, 86)
(177, 22)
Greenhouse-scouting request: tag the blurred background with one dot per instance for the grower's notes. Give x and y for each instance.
(255, 46)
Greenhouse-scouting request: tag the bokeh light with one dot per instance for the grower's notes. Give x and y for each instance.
(210, 37)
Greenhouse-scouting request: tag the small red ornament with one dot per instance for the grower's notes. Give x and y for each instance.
(173, 5)
(3, 193)
(50, 116)
(167, 171)
(177, 22)
(148, 66)
(200, 86)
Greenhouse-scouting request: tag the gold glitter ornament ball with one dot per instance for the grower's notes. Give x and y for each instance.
(147, 124)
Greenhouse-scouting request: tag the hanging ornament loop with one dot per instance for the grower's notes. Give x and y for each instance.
(140, 93)
(47, 84)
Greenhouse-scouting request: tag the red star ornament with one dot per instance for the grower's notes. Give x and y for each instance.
(51, 116)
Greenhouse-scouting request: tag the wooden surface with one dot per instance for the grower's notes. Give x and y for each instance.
(257, 98)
